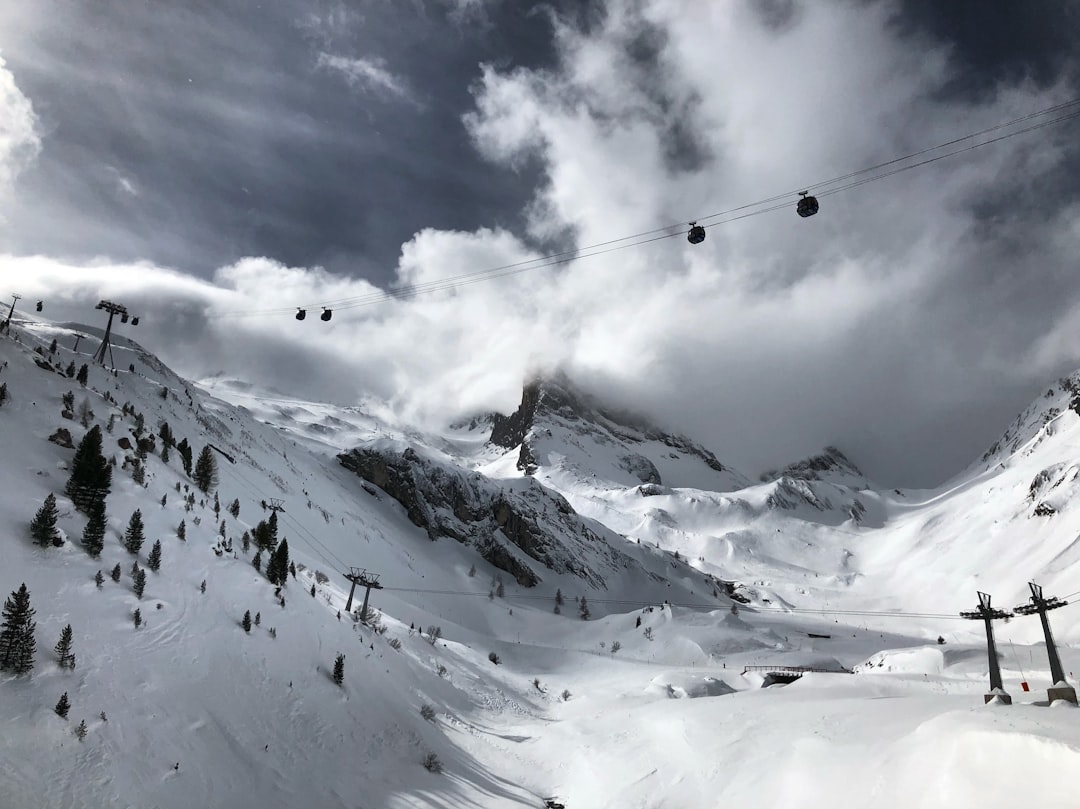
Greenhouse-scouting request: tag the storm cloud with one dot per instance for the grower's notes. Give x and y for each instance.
(906, 323)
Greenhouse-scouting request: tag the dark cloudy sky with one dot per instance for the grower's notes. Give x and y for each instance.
(209, 160)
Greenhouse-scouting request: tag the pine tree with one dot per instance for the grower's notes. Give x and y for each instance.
(17, 642)
(583, 609)
(43, 526)
(99, 579)
(292, 569)
(63, 649)
(133, 535)
(3, 393)
(165, 453)
(313, 591)
(137, 617)
(184, 448)
(69, 401)
(559, 598)
(138, 474)
(272, 525)
(258, 618)
(165, 431)
(202, 587)
(91, 475)
(234, 508)
(52, 346)
(245, 541)
(63, 706)
(339, 669)
(115, 573)
(500, 591)
(217, 509)
(83, 376)
(257, 561)
(277, 570)
(70, 370)
(246, 621)
(153, 561)
(181, 530)
(206, 475)
(140, 583)
(80, 730)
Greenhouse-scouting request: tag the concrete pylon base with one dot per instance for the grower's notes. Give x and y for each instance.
(1065, 692)
(1001, 697)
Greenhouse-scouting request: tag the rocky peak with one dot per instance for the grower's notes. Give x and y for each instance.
(831, 464)
(555, 418)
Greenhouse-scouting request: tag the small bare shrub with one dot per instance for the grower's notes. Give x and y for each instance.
(432, 763)
(395, 644)
(494, 658)
(427, 712)
(566, 695)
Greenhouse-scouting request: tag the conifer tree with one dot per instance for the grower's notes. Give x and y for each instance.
(206, 475)
(202, 587)
(258, 618)
(52, 346)
(140, 583)
(3, 393)
(181, 530)
(17, 642)
(83, 376)
(257, 561)
(277, 570)
(272, 525)
(153, 561)
(80, 729)
(165, 432)
(245, 541)
(246, 621)
(234, 508)
(339, 669)
(217, 508)
(133, 535)
(138, 473)
(43, 526)
(63, 649)
(137, 617)
(99, 579)
(115, 573)
(559, 597)
(165, 453)
(91, 475)
(70, 370)
(69, 401)
(292, 569)
(63, 706)
(583, 609)
(313, 591)
(184, 448)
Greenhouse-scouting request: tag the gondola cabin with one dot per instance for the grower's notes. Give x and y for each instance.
(807, 205)
(326, 314)
(301, 314)
(696, 234)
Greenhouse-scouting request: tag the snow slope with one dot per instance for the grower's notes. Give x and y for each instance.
(645, 705)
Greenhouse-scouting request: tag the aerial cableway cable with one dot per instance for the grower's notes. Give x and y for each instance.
(825, 188)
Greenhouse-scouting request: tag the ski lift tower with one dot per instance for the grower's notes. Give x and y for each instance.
(369, 581)
(985, 613)
(1060, 689)
(112, 309)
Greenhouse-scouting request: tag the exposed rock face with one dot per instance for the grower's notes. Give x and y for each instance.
(831, 464)
(555, 417)
(62, 437)
(512, 527)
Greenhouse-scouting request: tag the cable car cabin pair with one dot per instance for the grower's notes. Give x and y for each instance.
(124, 319)
(326, 314)
(806, 206)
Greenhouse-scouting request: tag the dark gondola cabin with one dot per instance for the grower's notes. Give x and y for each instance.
(807, 206)
(40, 305)
(326, 314)
(696, 234)
(135, 321)
(301, 314)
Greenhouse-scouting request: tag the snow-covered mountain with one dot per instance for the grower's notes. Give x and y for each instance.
(503, 532)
